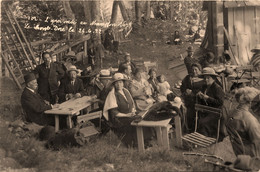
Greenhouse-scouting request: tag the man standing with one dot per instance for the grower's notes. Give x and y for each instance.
(189, 60)
(33, 104)
(127, 61)
(71, 86)
(49, 75)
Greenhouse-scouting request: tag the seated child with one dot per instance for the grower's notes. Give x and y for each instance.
(163, 88)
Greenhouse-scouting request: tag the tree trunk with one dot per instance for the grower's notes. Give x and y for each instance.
(148, 10)
(95, 11)
(114, 12)
(123, 10)
(87, 11)
(138, 12)
(67, 9)
(172, 10)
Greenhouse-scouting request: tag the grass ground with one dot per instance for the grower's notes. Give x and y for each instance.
(105, 153)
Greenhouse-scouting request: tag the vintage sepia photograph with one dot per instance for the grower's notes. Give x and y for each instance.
(130, 85)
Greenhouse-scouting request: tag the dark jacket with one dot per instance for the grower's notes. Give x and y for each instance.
(188, 61)
(48, 79)
(67, 88)
(34, 107)
(195, 87)
(216, 96)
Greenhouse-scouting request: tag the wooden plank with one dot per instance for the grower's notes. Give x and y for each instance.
(232, 55)
(72, 106)
(209, 138)
(71, 44)
(178, 130)
(18, 37)
(10, 71)
(199, 139)
(195, 140)
(159, 136)
(175, 63)
(140, 138)
(89, 116)
(88, 131)
(143, 123)
(208, 109)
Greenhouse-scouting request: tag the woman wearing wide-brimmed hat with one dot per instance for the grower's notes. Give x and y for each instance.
(255, 60)
(119, 111)
(211, 95)
(242, 121)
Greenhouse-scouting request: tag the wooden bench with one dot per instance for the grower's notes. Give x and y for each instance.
(161, 128)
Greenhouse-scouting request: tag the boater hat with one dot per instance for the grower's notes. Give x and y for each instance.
(29, 77)
(105, 74)
(72, 68)
(257, 48)
(208, 71)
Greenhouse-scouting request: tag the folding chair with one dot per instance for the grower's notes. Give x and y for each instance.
(197, 138)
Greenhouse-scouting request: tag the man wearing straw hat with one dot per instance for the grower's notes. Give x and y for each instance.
(211, 95)
(189, 60)
(71, 86)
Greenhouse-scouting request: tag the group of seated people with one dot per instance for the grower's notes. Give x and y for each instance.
(129, 91)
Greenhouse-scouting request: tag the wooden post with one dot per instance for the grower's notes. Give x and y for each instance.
(178, 131)
(140, 138)
(138, 12)
(95, 10)
(218, 33)
(148, 10)
(165, 138)
(159, 136)
(171, 9)
(114, 12)
(85, 52)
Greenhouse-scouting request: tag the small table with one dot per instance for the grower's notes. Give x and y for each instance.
(161, 128)
(72, 107)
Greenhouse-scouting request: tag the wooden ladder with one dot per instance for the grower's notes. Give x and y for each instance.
(18, 55)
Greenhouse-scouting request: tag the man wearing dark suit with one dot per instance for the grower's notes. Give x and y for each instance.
(189, 60)
(33, 104)
(71, 86)
(211, 95)
(49, 75)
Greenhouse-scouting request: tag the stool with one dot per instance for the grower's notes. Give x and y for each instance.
(161, 128)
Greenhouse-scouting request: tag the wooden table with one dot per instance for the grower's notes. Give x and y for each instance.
(161, 128)
(72, 107)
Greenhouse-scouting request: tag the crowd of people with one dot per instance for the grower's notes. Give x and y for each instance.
(131, 90)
